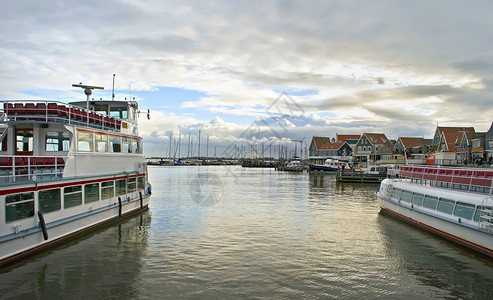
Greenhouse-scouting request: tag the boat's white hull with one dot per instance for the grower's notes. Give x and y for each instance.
(29, 239)
(466, 236)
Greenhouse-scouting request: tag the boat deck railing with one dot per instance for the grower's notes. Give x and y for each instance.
(55, 112)
(21, 168)
(467, 179)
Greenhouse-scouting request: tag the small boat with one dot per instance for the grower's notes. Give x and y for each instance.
(331, 165)
(454, 203)
(371, 174)
(293, 165)
(257, 163)
(66, 169)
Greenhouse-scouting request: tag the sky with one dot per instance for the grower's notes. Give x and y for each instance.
(252, 73)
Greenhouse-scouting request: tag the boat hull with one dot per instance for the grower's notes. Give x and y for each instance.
(471, 238)
(323, 168)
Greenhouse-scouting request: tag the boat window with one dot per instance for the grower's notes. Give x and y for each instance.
(24, 140)
(446, 206)
(91, 192)
(430, 202)
(141, 182)
(132, 184)
(101, 142)
(121, 187)
(126, 145)
(417, 199)
(118, 112)
(477, 214)
(139, 147)
(115, 144)
(406, 196)
(464, 210)
(85, 142)
(107, 189)
(49, 200)
(57, 141)
(132, 114)
(4, 143)
(19, 206)
(135, 147)
(101, 109)
(72, 196)
(396, 193)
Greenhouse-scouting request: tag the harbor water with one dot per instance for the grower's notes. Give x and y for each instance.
(216, 232)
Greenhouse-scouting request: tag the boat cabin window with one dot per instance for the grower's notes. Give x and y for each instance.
(446, 206)
(107, 190)
(101, 142)
(72, 196)
(132, 114)
(24, 140)
(132, 184)
(91, 192)
(126, 145)
(406, 196)
(3, 146)
(115, 144)
(101, 109)
(464, 210)
(49, 200)
(430, 202)
(477, 214)
(84, 141)
(57, 141)
(121, 187)
(141, 182)
(19, 206)
(417, 199)
(119, 112)
(396, 193)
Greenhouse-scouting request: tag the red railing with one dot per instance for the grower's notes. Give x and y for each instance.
(58, 113)
(22, 168)
(470, 177)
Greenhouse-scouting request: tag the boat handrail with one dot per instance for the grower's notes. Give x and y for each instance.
(474, 179)
(14, 168)
(55, 112)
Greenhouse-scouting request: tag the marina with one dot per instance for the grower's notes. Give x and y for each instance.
(267, 233)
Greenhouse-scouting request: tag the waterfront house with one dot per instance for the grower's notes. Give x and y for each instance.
(323, 147)
(370, 146)
(455, 140)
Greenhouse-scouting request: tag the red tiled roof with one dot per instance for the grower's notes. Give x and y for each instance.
(320, 141)
(409, 142)
(376, 138)
(454, 135)
(332, 146)
(345, 137)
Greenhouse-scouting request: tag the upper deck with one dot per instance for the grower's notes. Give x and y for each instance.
(117, 116)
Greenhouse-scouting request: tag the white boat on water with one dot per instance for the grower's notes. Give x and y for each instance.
(331, 165)
(455, 203)
(66, 169)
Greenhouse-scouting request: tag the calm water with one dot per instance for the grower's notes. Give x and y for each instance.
(230, 232)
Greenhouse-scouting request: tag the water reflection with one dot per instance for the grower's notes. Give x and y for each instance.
(101, 265)
(447, 269)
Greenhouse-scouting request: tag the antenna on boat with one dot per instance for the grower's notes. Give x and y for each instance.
(88, 90)
(113, 97)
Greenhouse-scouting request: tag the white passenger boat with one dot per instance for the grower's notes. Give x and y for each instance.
(66, 169)
(455, 203)
(331, 165)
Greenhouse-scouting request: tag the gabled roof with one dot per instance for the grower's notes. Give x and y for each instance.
(453, 135)
(410, 142)
(376, 138)
(332, 146)
(345, 137)
(320, 141)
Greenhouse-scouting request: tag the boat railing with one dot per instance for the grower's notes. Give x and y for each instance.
(486, 215)
(20, 168)
(476, 180)
(55, 112)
